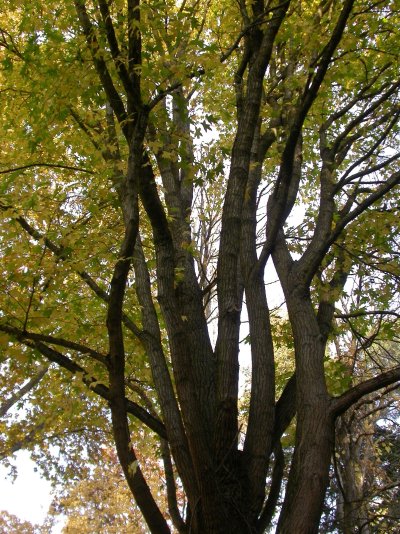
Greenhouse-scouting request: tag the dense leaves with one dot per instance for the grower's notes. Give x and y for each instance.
(178, 178)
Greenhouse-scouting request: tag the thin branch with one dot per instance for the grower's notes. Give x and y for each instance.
(134, 99)
(49, 165)
(285, 177)
(85, 128)
(362, 116)
(162, 93)
(387, 487)
(362, 313)
(360, 96)
(134, 42)
(27, 439)
(347, 178)
(33, 382)
(323, 61)
(275, 487)
(363, 206)
(324, 245)
(54, 341)
(173, 507)
(33, 289)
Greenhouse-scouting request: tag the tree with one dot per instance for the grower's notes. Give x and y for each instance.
(364, 484)
(158, 157)
(102, 502)
(366, 436)
(11, 523)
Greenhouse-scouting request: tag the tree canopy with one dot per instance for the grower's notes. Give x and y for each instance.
(169, 171)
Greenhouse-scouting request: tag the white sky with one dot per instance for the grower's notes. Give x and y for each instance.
(29, 496)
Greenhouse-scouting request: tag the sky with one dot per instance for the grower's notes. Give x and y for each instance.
(29, 496)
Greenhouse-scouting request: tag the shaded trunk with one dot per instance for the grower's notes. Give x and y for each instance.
(355, 454)
(309, 474)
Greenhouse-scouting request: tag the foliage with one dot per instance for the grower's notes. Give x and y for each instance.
(11, 523)
(167, 169)
(102, 502)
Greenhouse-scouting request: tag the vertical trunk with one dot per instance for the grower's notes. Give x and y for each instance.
(354, 448)
(249, 94)
(153, 345)
(309, 473)
(258, 442)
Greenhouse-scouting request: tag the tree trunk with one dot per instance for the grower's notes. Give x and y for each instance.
(309, 474)
(354, 448)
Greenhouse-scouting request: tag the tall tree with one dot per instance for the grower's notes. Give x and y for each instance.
(158, 157)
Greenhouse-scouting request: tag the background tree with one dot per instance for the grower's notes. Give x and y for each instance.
(102, 502)
(126, 232)
(367, 434)
(11, 523)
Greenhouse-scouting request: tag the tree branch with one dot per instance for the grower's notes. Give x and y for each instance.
(132, 95)
(362, 313)
(34, 381)
(274, 490)
(340, 404)
(92, 383)
(62, 253)
(173, 507)
(161, 376)
(310, 93)
(101, 68)
(363, 206)
(49, 165)
(54, 341)
(313, 256)
(285, 409)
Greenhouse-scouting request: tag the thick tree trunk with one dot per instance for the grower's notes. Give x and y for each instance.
(309, 473)
(233, 516)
